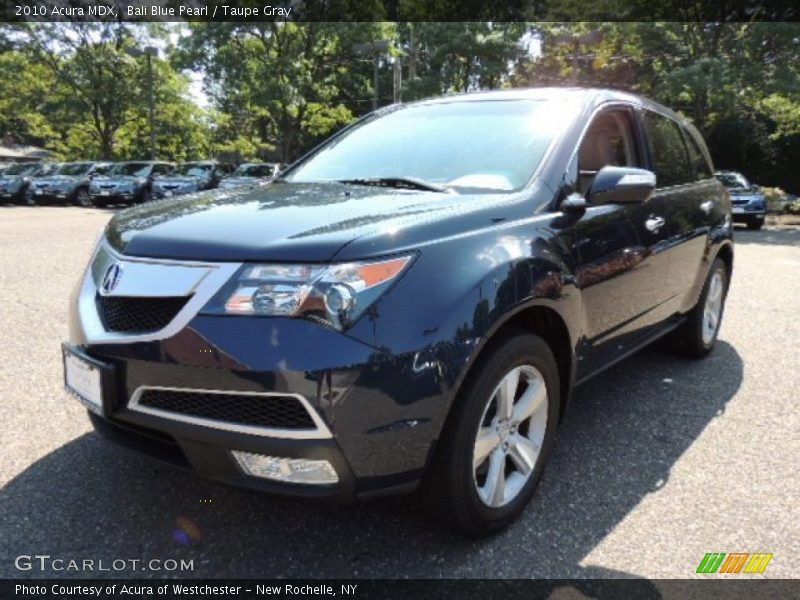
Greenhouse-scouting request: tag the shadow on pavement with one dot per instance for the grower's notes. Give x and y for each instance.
(778, 237)
(622, 434)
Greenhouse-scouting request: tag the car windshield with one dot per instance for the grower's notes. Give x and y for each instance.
(484, 145)
(253, 171)
(135, 169)
(21, 169)
(192, 170)
(49, 168)
(74, 169)
(733, 180)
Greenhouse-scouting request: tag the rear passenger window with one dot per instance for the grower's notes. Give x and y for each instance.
(702, 170)
(668, 152)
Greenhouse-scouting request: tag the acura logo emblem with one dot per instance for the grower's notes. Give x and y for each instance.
(111, 278)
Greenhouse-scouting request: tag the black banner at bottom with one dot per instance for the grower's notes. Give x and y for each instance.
(400, 589)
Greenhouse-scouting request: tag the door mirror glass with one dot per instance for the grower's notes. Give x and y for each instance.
(621, 185)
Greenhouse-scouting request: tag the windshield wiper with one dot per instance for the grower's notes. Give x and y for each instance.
(411, 183)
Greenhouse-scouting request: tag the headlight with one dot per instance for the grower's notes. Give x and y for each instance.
(336, 294)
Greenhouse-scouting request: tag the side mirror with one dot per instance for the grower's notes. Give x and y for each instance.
(621, 185)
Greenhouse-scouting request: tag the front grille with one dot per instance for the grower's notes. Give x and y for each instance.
(270, 411)
(137, 315)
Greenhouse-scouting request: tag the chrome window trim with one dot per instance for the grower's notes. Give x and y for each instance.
(320, 432)
(210, 278)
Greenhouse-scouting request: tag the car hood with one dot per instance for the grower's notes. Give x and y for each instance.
(180, 179)
(57, 179)
(242, 180)
(117, 179)
(746, 195)
(302, 222)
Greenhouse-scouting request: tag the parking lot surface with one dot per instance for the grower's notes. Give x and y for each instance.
(659, 461)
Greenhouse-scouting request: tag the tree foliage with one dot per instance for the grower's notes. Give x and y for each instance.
(275, 89)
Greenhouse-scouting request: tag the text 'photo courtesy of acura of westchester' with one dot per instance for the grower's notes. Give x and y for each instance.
(410, 305)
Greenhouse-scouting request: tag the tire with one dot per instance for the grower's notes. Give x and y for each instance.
(83, 198)
(755, 223)
(693, 339)
(460, 494)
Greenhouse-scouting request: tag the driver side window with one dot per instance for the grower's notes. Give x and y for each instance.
(608, 141)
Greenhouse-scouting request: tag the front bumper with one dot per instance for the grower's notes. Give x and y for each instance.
(113, 195)
(379, 413)
(743, 213)
(53, 195)
(161, 193)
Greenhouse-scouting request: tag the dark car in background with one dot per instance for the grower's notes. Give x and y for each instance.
(191, 177)
(130, 182)
(409, 305)
(15, 179)
(250, 174)
(748, 202)
(68, 183)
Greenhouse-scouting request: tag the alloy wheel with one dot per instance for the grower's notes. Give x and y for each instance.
(510, 436)
(84, 199)
(713, 308)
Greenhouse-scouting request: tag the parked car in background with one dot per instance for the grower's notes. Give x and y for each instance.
(250, 174)
(410, 304)
(14, 181)
(191, 177)
(749, 204)
(68, 183)
(5, 166)
(130, 182)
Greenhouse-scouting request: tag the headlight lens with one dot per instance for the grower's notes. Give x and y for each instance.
(336, 294)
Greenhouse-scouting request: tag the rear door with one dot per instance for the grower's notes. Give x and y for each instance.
(682, 189)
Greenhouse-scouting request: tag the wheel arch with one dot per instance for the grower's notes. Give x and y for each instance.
(541, 318)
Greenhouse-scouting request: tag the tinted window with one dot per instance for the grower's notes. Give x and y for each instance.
(733, 180)
(194, 170)
(74, 169)
(135, 169)
(702, 170)
(670, 161)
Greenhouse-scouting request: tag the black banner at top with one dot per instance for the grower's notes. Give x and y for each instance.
(395, 10)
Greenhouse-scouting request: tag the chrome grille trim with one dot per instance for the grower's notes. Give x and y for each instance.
(320, 431)
(148, 278)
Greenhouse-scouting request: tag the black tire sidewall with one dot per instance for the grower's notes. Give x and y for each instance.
(514, 350)
(84, 192)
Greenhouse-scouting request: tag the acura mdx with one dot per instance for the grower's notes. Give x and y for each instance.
(411, 304)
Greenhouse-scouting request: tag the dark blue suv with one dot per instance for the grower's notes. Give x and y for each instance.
(409, 305)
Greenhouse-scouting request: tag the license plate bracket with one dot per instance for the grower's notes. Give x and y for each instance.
(89, 380)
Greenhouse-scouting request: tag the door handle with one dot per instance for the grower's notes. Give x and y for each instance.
(653, 224)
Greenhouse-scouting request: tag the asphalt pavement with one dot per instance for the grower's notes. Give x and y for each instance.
(660, 459)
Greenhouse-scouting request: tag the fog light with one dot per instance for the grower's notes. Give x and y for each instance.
(290, 470)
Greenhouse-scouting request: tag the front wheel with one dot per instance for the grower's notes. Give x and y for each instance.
(83, 198)
(497, 440)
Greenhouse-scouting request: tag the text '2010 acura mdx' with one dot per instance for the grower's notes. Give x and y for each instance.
(410, 304)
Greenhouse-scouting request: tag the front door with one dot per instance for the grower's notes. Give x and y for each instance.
(618, 249)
